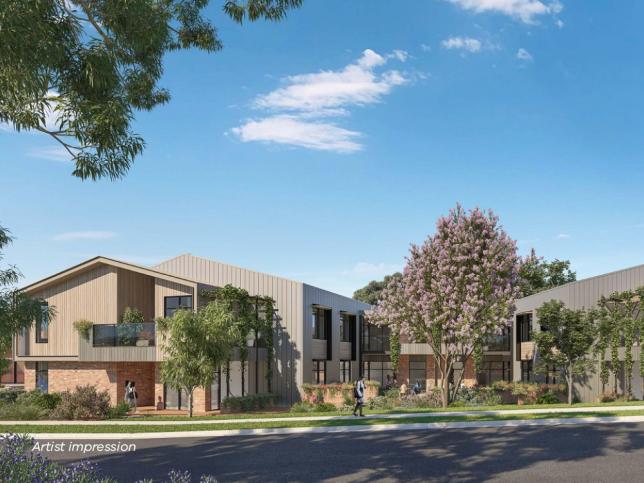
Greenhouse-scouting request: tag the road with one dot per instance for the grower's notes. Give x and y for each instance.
(589, 453)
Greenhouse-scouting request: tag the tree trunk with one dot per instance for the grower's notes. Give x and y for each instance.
(569, 379)
(190, 402)
(445, 387)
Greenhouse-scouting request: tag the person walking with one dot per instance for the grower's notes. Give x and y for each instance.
(133, 395)
(358, 394)
(126, 396)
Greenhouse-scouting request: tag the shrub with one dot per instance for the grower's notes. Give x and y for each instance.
(380, 402)
(548, 397)
(43, 400)
(502, 386)
(607, 397)
(132, 316)
(120, 411)
(252, 402)
(85, 402)
(325, 407)
(83, 327)
(302, 407)
(9, 396)
(23, 412)
(478, 396)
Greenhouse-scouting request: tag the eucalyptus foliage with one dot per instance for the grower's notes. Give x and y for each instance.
(456, 291)
(17, 310)
(565, 341)
(78, 70)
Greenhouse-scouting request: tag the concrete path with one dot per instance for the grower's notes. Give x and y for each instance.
(186, 421)
(340, 429)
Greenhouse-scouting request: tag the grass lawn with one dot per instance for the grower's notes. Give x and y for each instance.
(17, 428)
(503, 407)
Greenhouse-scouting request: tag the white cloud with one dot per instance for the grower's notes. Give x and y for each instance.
(525, 10)
(295, 131)
(305, 99)
(562, 236)
(53, 153)
(559, 23)
(426, 47)
(523, 54)
(84, 235)
(462, 43)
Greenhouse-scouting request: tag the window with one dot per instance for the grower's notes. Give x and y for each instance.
(492, 371)
(42, 325)
(319, 372)
(552, 374)
(319, 321)
(172, 304)
(375, 338)
(418, 370)
(377, 371)
(345, 371)
(526, 371)
(524, 327)
(42, 376)
(345, 327)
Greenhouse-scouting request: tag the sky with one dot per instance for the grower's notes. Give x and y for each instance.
(320, 147)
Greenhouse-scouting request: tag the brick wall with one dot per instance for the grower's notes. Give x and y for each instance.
(403, 369)
(143, 374)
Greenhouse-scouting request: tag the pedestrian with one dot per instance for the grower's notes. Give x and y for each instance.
(133, 395)
(358, 394)
(126, 395)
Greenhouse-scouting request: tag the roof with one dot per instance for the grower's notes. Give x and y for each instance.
(100, 260)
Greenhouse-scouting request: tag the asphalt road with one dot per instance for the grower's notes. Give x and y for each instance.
(611, 453)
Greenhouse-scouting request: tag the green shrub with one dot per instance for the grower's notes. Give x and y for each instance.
(548, 397)
(325, 407)
(302, 407)
(120, 411)
(252, 402)
(607, 397)
(132, 316)
(43, 400)
(380, 402)
(22, 412)
(9, 396)
(478, 396)
(85, 402)
(83, 327)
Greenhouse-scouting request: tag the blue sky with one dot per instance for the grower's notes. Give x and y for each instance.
(320, 147)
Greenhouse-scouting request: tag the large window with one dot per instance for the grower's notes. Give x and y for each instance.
(526, 371)
(42, 376)
(375, 338)
(319, 322)
(418, 370)
(552, 375)
(345, 326)
(524, 327)
(492, 371)
(345, 371)
(172, 304)
(42, 324)
(319, 372)
(377, 371)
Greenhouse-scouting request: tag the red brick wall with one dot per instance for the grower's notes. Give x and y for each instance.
(143, 374)
(403, 369)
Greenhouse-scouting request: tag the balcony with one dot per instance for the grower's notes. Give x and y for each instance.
(119, 343)
(124, 335)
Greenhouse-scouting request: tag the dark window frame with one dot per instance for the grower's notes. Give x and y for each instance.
(527, 371)
(415, 370)
(42, 368)
(488, 370)
(179, 305)
(524, 327)
(44, 319)
(319, 368)
(345, 371)
(319, 324)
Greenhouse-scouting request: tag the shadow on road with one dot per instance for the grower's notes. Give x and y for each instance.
(440, 455)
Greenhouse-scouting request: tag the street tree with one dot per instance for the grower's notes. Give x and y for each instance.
(17, 311)
(457, 290)
(371, 293)
(78, 70)
(565, 341)
(195, 344)
(537, 274)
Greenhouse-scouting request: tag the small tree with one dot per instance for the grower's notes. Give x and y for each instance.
(565, 341)
(457, 290)
(195, 344)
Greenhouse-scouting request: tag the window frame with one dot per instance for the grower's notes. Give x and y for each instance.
(179, 306)
(44, 319)
(524, 323)
(319, 367)
(345, 370)
(318, 324)
(39, 371)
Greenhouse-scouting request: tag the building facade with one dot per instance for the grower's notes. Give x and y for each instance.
(316, 335)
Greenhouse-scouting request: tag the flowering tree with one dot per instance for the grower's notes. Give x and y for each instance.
(457, 291)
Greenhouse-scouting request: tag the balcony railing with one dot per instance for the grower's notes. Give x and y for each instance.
(124, 335)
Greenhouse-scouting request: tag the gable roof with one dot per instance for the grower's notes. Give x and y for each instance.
(100, 260)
